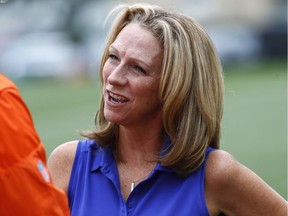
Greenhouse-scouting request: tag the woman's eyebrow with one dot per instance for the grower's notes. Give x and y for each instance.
(113, 48)
(122, 53)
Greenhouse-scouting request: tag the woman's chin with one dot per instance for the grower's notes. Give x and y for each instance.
(112, 118)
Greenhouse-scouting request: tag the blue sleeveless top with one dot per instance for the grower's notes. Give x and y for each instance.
(94, 188)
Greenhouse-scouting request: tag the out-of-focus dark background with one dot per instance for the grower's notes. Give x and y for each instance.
(51, 49)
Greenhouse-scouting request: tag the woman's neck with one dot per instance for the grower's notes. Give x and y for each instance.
(138, 146)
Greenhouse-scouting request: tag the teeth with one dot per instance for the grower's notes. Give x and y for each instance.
(116, 98)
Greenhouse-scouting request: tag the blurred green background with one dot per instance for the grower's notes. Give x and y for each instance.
(254, 123)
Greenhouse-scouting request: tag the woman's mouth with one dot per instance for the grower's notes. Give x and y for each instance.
(116, 99)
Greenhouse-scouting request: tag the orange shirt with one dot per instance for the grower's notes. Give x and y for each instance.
(25, 184)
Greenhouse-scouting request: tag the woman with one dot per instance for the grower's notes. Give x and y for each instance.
(155, 147)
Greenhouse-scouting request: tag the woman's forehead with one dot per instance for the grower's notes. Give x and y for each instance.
(137, 42)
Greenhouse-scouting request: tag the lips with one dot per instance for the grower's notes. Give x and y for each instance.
(116, 99)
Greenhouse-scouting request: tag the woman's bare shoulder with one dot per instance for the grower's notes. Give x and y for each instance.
(233, 188)
(221, 166)
(60, 163)
(64, 152)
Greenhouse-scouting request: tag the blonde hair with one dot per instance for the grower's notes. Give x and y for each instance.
(191, 85)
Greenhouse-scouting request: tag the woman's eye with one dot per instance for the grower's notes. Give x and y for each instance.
(139, 69)
(113, 57)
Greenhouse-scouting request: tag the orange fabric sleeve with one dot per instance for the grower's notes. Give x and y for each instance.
(17, 132)
(25, 184)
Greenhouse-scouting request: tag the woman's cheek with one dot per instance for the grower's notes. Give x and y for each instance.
(105, 72)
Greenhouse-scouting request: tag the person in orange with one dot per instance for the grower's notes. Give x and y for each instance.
(26, 186)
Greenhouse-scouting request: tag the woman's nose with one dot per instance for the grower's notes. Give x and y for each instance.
(118, 75)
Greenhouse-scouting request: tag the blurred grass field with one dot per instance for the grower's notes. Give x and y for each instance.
(254, 122)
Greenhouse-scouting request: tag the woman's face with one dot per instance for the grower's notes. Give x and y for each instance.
(131, 78)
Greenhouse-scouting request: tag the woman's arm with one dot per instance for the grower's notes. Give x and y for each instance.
(233, 189)
(60, 164)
